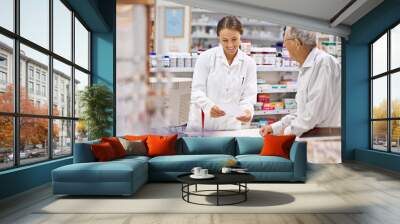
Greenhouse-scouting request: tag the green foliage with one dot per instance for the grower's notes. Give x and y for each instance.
(96, 102)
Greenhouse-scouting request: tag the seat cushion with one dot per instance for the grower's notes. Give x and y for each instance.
(207, 145)
(111, 171)
(185, 163)
(257, 163)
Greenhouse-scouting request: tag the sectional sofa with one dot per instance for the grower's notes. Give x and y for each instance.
(125, 176)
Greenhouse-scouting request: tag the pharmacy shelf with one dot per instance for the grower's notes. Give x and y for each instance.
(254, 38)
(197, 10)
(273, 112)
(263, 68)
(214, 24)
(259, 69)
(175, 70)
(268, 88)
(173, 80)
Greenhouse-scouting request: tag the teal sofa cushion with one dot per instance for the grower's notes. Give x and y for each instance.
(83, 152)
(111, 171)
(118, 177)
(207, 145)
(257, 163)
(249, 145)
(185, 163)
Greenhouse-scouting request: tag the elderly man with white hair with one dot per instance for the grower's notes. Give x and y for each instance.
(318, 93)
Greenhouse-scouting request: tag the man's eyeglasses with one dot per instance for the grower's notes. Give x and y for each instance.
(288, 39)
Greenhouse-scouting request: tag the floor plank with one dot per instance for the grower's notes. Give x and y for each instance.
(376, 189)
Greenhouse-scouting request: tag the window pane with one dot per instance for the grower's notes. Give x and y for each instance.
(395, 47)
(62, 29)
(34, 72)
(81, 45)
(35, 21)
(7, 14)
(62, 138)
(395, 138)
(81, 131)
(62, 89)
(33, 139)
(81, 81)
(379, 97)
(6, 74)
(395, 94)
(379, 135)
(379, 55)
(6, 142)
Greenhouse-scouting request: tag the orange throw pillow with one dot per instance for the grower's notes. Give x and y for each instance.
(116, 145)
(136, 137)
(161, 145)
(277, 145)
(103, 152)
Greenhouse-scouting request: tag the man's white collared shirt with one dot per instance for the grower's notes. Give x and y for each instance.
(318, 96)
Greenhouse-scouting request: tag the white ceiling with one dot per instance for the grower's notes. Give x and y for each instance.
(316, 15)
(321, 9)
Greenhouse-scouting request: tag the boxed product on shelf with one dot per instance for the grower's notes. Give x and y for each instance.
(262, 123)
(279, 105)
(271, 120)
(290, 103)
(263, 97)
(258, 106)
(288, 82)
(264, 55)
(174, 60)
(291, 106)
(269, 54)
(268, 106)
(261, 81)
(246, 47)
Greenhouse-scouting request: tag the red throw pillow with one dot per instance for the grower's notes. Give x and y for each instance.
(116, 145)
(103, 152)
(161, 145)
(277, 145)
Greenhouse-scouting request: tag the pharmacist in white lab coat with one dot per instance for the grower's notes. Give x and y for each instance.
(318, 93)
(224, 86)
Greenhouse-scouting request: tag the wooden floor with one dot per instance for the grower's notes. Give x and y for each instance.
(378, 188)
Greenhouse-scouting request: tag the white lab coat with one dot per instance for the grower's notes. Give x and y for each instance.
(215, 82)
(317, 98)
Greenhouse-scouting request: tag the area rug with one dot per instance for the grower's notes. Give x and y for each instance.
(167, 198)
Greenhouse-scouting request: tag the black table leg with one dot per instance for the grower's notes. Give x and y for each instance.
(196, 188)
(245, 193)
(217, 194)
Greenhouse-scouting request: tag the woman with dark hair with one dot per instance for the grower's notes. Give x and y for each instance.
(224, 86)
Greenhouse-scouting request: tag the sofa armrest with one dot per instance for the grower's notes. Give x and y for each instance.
(298, 155)
(83, 152)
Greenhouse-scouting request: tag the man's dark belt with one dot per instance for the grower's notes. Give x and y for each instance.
(320, 132)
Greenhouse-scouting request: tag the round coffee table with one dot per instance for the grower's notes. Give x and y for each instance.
(238, 179)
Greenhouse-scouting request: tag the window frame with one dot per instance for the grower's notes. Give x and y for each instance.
(388, 74)
(16, 114)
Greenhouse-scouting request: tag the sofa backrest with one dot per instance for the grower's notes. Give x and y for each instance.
(83, 152)
(249, 145)
(206, 145)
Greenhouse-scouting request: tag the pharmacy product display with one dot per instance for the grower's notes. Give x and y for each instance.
(204, 30)
(174, 61)
(276, 71)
